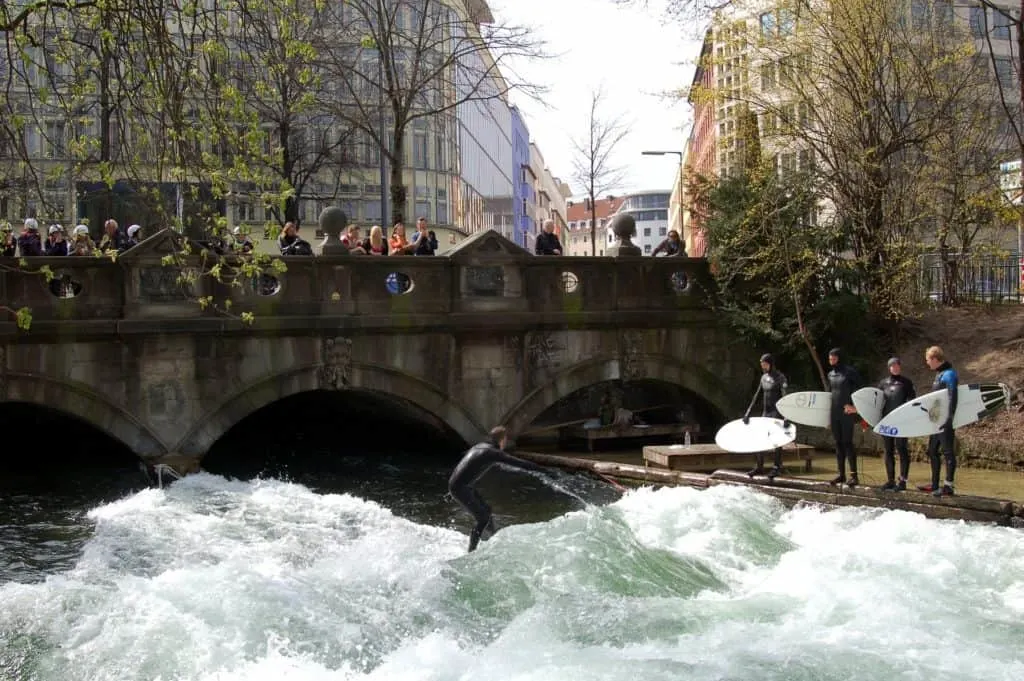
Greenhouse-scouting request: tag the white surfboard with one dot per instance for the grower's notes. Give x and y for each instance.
(762, 434)
(869, 403)
(925, 415)
(809, 407)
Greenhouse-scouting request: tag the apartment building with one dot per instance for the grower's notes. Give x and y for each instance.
(578, 239)
(550, 195)
(650, 212)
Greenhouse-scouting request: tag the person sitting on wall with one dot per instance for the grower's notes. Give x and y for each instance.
(671, 246)
(291, 243)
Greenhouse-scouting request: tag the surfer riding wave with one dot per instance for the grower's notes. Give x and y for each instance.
(477, 460)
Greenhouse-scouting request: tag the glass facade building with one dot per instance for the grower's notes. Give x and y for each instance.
(523, 179)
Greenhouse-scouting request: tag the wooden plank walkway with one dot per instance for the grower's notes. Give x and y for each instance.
(710, 457)
(794, 491)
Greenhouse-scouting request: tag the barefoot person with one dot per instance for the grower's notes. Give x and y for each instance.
(898, 390)
(773, 386)
(477, 461)
(843, 381)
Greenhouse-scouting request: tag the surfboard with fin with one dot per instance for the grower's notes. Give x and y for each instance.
(925, 415)
(761, 434)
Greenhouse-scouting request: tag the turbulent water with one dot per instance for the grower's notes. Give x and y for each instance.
(217, 580)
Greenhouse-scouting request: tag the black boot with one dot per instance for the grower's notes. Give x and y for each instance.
(755, 471)
(853, 481)
(838, 480)
(774, 472)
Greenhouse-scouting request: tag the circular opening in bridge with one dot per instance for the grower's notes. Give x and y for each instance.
(63, 286)
(680, 281)
(623, 416)
(570, 282)
(355, 441)
(56, 468)
(266, 284)
(398, 283)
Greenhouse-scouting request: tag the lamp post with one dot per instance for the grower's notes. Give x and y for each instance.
(680, 155)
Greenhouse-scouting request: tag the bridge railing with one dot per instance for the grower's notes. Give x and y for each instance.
(555, 288)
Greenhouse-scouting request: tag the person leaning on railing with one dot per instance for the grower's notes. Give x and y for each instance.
(547, 240)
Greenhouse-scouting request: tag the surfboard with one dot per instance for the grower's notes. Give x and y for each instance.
(869, 403)
(809, 407)
(925, 415)
(762, 434)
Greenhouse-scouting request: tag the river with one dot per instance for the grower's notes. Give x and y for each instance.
(362, 574)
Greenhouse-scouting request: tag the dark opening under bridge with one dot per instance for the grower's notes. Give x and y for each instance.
(487, 334)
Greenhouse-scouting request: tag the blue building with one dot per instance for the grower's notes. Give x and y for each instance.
(523, 182)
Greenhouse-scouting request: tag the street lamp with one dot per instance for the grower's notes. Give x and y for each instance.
(680, 155)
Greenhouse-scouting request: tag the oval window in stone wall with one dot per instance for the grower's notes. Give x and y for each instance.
(570, 282)
(398, 283)
(266, 284)
(64, 286)
(680, 281)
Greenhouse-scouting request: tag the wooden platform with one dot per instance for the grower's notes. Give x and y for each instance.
(795, 491)
(710, 457)
(591, 435)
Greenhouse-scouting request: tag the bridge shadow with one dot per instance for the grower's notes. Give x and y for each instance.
(50, 451)
(339, 440)
(656, 405)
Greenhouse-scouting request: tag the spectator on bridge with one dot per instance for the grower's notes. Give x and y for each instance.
(114, 240)
(672, 245)
(375, 244)
(56, 244)
(290, 242)
(433, 240)
(29, 242)
(8, 244)
(547, 240)
(421, 244)
(134, 236)
(398, 244)
(81, 243)
(241, 243)
(350, 239)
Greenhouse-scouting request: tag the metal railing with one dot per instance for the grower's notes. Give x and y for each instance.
(970, 278)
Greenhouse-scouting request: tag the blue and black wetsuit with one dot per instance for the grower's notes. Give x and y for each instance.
(471, 468)
(843, 381)
(945, 378)
(898, 390)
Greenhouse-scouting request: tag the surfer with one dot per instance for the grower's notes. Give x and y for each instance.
(898, 390)
(773, 387)
(476, 461)
(945, 379)
(843, 381)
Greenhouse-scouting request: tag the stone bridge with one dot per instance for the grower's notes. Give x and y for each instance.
(487, 334)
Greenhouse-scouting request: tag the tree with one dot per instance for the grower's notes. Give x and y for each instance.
(404, 64)
(594, 164)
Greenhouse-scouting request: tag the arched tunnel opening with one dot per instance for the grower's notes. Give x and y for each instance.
(56, 468)
(369, 444)
(655, 412)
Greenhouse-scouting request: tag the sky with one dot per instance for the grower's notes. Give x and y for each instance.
(634, 55)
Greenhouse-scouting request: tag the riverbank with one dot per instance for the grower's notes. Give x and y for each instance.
(812, 488)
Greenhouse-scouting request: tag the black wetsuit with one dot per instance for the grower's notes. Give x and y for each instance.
(945, 378)
(898, 390)
(773, 388)
(471, 468)
(843, 381)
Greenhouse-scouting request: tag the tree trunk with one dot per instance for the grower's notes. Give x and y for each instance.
(397, 176)
(593, 225)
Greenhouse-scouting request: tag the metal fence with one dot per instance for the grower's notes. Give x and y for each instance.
(975, 279)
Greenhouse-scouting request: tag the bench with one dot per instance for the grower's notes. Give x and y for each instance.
(709, 457)
(592, 435)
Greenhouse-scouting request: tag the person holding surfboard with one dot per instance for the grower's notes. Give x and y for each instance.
(843, 381)
(772, 387)
(945, 379)
(898, 390)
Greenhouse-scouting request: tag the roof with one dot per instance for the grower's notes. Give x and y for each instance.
(605, 208)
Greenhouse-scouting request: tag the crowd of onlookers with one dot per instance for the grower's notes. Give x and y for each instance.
(30, 242)
(549, 244)
(423, 241)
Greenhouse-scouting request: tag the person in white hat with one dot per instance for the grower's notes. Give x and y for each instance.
(55, 243)
(29, 242)
(82, 244)
(135, 235)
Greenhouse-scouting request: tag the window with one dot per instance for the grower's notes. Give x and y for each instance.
(1000, 26)
(1004, 72)
(423, 209)
(787, 22)
(978, 22)
(767, 24)
(662, 231)
(371, 211)
(647, 231)
(768, 76)
(647, 248)
(442, 213)
(919, 12)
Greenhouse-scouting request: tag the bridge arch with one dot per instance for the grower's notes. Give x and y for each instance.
(362, 377)
(689, 376)
(89, 406)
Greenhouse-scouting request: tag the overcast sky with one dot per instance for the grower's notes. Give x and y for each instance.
(635, 55)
